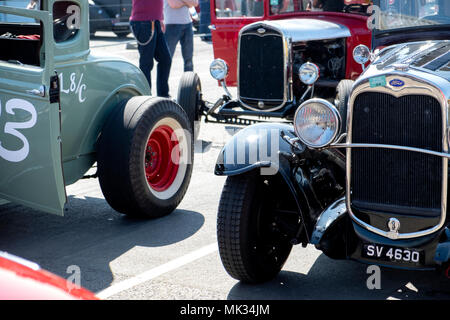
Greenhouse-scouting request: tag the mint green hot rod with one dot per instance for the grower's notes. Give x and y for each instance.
(63, 109)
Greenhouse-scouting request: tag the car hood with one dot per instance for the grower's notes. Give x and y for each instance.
(302, 29)
(427, 56)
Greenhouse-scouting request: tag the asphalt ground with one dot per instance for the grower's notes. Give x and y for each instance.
(176, 257)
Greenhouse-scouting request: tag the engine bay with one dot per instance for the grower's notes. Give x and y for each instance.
(328, 55)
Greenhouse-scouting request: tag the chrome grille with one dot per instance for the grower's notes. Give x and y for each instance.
(396, 181)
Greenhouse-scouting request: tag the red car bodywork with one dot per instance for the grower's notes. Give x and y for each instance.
(23, 280)
(225, 33)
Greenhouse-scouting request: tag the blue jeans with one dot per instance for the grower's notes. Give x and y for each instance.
(155, 49)
(184, 34)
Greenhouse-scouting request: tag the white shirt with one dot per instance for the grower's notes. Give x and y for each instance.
(176, 16)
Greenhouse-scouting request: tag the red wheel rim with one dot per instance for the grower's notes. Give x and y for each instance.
(162, 156)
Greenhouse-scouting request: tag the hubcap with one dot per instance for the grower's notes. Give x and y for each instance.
(162, 156)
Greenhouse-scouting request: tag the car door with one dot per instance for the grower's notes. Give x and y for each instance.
(30, 144)
(227, 18)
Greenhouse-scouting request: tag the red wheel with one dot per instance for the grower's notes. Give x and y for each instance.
(166, 157)
(145, 157)
(161, 158)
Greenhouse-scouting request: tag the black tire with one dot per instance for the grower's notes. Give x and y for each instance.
(122, 34)
(189, 98)
(136, 180)
(343, 91)
(244, 231)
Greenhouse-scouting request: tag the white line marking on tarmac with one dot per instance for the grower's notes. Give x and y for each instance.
(156, 272)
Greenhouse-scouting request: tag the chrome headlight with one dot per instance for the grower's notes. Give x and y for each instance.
(361, 54)
(317, 123)
(218, 69)
(309, 73)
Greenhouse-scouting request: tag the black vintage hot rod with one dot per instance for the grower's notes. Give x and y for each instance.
(363, 177)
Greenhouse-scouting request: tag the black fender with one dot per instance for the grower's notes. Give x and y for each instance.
(266, 147)
(256, 146)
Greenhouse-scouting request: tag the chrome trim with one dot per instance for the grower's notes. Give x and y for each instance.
(326, 219)
(38, 92)
(305, 29)
(225, 88)
(381, 57)
(287, 59)
(121, 24)
(388, 146)
(417, 85)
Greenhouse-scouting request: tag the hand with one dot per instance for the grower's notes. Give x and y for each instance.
(163, 27)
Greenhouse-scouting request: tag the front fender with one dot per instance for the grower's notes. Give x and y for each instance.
(263, 147)
(256, 146)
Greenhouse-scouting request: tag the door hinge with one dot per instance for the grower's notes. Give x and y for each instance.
(54, 89)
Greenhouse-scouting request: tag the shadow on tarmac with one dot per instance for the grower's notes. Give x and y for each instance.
(91, 235)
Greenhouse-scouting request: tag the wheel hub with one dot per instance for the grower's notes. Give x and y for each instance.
(162, 156)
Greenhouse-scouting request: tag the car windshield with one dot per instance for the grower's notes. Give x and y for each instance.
(255, 8)
(348, 6)
(24, 4)
(396, 14)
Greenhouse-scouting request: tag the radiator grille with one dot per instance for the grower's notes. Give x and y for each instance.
(261, 70)
(396, 181)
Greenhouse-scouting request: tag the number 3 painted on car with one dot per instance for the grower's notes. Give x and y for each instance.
(11, 129)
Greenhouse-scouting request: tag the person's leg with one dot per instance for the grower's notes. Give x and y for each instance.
(142, 32)
(187, 46)
(173, 35)
(162, 55)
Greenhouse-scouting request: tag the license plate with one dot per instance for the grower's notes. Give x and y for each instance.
(392, 254)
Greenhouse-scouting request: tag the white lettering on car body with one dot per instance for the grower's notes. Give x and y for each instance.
(10, 128)
(75, 87)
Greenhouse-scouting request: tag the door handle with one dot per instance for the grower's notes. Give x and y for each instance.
(38, 92)
(212, 27)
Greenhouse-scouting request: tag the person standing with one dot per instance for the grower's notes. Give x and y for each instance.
(178, 23)
(147, 25)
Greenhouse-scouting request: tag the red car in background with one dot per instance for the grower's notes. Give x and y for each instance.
(228, 17)
(21, 279)
(260, 46)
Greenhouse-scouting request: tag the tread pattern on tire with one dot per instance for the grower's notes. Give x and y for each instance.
(228, 227)
(187, 97)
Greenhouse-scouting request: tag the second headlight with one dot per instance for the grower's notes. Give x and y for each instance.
(218, 69)
(317, 123)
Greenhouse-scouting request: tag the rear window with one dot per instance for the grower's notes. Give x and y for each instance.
(21, 37)
(24, 4)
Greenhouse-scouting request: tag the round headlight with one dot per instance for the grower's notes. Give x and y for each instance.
(317, 123)
(309, 73)
(361, 54)
(218, 69)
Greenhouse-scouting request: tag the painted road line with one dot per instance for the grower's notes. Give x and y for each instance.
(156, 272)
